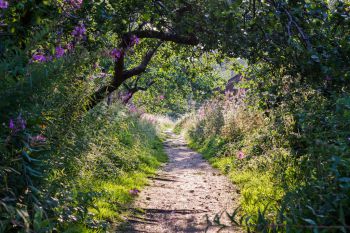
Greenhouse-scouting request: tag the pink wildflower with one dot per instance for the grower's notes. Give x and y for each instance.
(79, 31)
(161, 97)
(69, 46)
(76, 4)
(11, 124)
(39, 138)
(134, 40)
(134, 192)
(116, 53)
(4, 4)
(240, 155)
(38, 57)
(59, 52)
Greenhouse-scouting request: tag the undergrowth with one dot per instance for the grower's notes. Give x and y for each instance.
(121, 152)
(64, 168)
(290, 165)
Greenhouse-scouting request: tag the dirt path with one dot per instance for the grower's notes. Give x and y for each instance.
(186, 191)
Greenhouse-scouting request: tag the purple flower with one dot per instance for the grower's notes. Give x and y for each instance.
(240, 155)
(116, 53)
(39, 57)
(125, 97)
(75, 3)
(18, 124)
(134, 192)
(38, 139)
(103, 75)
(59, 52)
(4, 4)
(161, 97)
(132, 108)
(11, 124)
(134, 40)
(95, 65)
(69, 46)
(79, 31)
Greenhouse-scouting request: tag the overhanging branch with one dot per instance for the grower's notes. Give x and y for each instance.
(120, 76)
(165, 36)
(142, 67)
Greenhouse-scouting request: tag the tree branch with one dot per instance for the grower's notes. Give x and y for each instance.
(304, 37)
(142, 67)
(136, 88)
(165, 36)
(120, 76)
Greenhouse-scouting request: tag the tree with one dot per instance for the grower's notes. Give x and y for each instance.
(121, 75)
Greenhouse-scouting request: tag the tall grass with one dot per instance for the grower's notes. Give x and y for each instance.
(113, 152)
(288, 176)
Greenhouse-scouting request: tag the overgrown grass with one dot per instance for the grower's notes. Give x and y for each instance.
(121, 152)
(289, 167)
(64, 168)
(258, 189)
(219, 131)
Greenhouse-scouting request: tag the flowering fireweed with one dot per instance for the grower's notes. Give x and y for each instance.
(116, 53)
(18, 124)
(4, 4)
(134, 40)
(79, 31)
(75, 4)
(59, 51)
(38, 57)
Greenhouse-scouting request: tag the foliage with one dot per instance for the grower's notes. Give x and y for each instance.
(180, 82)
(82, 178)
(62, 167)
(297, 179)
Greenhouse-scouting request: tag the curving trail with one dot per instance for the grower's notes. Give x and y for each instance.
(185, 191)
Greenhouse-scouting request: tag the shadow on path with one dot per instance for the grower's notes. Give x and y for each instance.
(183, 195)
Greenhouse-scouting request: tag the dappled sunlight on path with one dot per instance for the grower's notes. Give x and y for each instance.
(183, 194)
